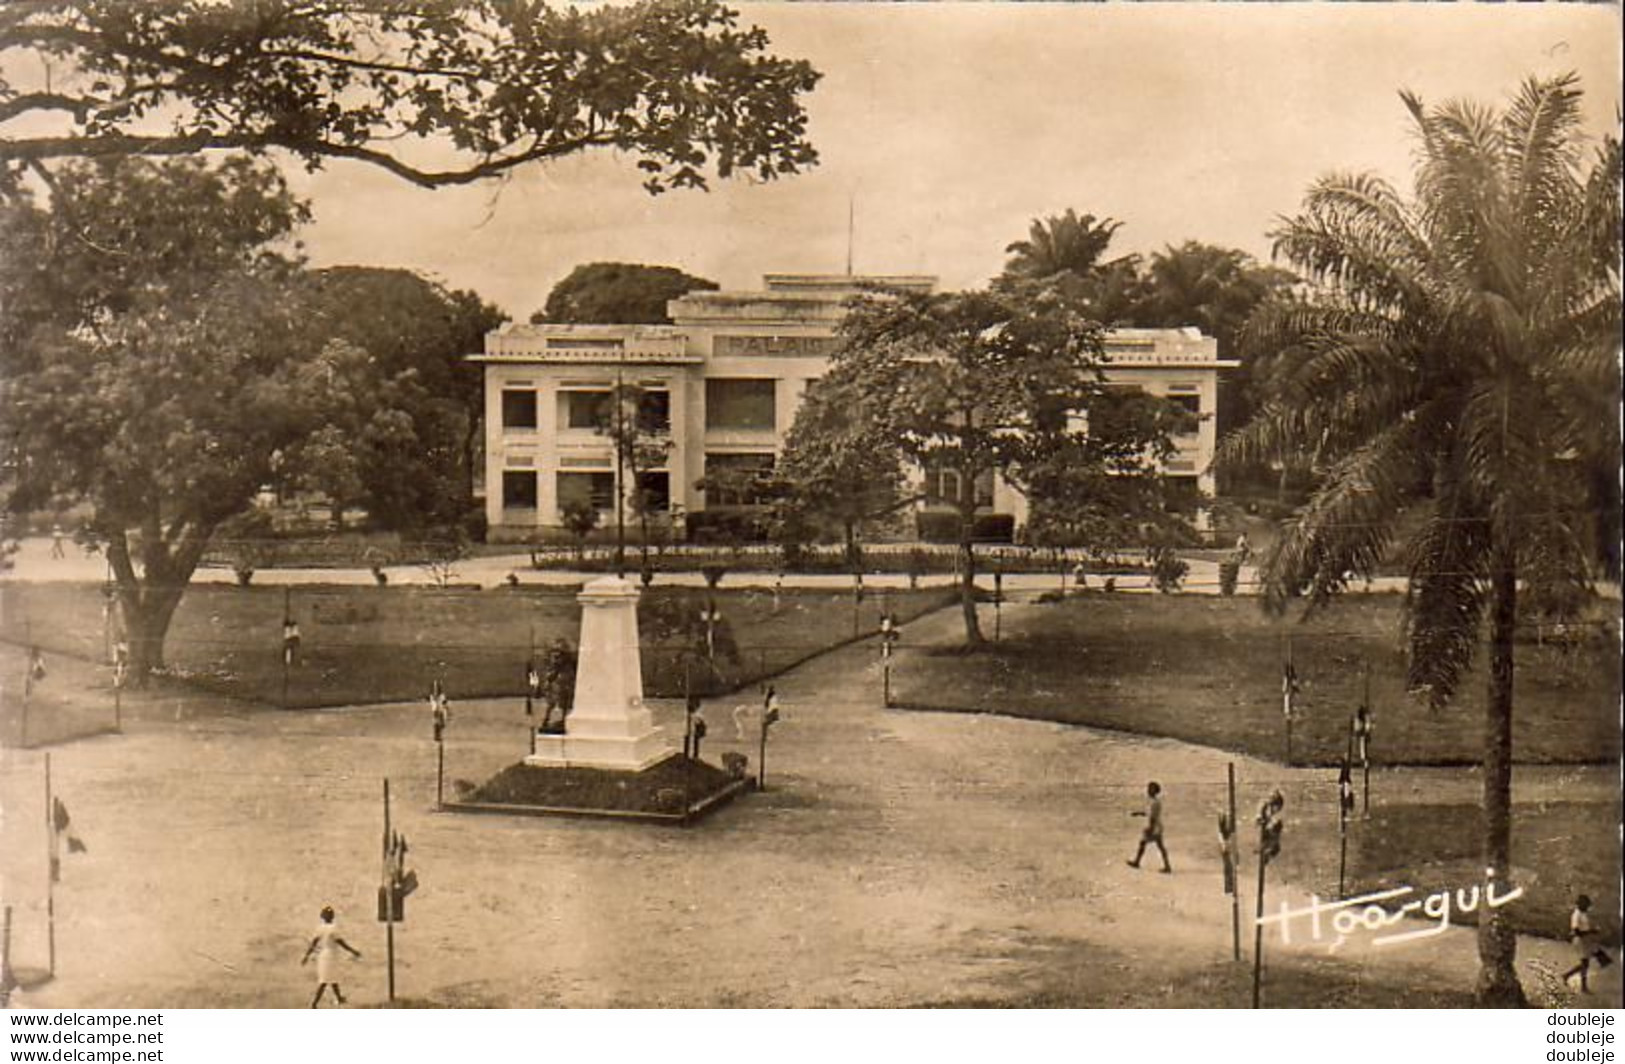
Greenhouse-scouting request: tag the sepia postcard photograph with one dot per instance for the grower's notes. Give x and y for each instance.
(706, 505)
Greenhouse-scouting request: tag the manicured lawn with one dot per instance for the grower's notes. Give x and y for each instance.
(1560, 849)
(1208, 670)
(386, 644)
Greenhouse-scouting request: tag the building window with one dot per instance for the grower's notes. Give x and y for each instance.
(733, 479)
(942, 485)
(1182, 494)
(654, 412)
(518, 409)
(1191, 422)
(583, 410)
(518, 490)
(740, 403)
(590, 489)
(582, 343)
(945, 485)
(654, 492)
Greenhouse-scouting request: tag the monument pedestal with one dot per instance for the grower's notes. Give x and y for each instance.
(609, 727)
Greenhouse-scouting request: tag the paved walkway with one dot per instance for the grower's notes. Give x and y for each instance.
(897, 858)
(34, 562)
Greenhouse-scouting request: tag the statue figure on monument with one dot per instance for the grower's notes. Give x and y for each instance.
(558, 685)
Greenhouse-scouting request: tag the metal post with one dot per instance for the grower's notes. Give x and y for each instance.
(688, 710)
(1235, 894)
(998, 597)
(1365, 749)
(6, 981)
(28, 682)
(1258, 930)
(620, 476)
(1289, 696)
(1342, 847)
(51, 867)
(389, 900)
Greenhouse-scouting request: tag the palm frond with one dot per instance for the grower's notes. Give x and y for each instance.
(1542, 151)
(1349, 521)
(1445, 599)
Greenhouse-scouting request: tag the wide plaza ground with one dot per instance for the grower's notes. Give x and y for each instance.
(898, 858)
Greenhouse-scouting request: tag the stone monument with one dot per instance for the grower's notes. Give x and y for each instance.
(609, 727)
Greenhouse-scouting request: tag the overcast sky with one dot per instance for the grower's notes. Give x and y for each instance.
(952, 126)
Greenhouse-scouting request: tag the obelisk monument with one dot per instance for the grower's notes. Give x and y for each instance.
(609, 727)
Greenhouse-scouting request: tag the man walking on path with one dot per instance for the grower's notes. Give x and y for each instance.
(1153, 826)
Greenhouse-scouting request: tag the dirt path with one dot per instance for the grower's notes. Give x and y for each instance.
(897, 858)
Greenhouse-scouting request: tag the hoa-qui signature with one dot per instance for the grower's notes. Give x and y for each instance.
(1349, 916)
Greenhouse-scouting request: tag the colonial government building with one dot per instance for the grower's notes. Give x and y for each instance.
(725, 380)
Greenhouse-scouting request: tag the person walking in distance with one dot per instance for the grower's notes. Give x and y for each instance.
(56, 542)
(290, 642)
(1583, 937)
(1153, 826)
(325, 947)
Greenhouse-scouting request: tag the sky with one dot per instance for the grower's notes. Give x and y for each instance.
(948, 128)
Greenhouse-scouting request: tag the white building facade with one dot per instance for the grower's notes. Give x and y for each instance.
(724, 381)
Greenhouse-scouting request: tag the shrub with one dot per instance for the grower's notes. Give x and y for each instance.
(943, 527)
(1168, 569)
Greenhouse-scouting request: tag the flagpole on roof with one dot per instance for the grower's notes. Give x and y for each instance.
(851, 211)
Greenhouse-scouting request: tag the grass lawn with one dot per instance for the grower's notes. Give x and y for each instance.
(1560, 849)
(386, 644)
(1208, 670)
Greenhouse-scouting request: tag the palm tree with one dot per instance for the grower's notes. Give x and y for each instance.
(1063, 243)
(1457, 360)
(1065, 252)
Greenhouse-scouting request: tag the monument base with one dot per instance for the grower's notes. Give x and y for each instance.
(617, 753)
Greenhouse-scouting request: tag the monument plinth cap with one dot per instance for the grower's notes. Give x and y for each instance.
(607, 589)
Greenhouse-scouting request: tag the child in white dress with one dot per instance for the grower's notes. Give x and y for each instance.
(325, 947)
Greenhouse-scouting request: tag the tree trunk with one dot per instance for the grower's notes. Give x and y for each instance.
(147, 626)
(1498, 985)
(147, 602)
(967, 580)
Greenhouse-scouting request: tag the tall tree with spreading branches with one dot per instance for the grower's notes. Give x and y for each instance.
(158, 366)
(437, 92)
(1459, 363)
(618, 293)
(836, 467)
(999, 382)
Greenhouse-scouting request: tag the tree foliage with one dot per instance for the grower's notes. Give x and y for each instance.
(1001, 382)
(837, 468)
(438, 92)
(639, 435)
(1213, 288)
(1458, 364)
(609, 293)
(402, 441)
(158, 366)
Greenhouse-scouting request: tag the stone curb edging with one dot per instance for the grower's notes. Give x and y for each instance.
(696, 811)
